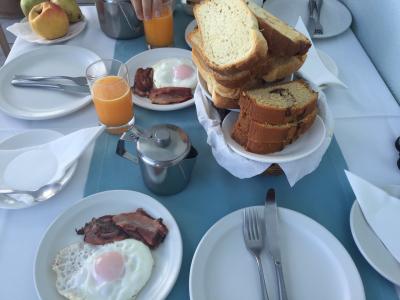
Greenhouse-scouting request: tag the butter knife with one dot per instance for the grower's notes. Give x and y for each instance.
(311, 19)
(272, 238)
(77, 89)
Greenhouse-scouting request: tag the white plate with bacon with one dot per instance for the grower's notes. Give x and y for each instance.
(163, 79)
(115, 258)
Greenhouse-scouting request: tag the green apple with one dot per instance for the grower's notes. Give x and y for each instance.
(71, 8)
(26, 5)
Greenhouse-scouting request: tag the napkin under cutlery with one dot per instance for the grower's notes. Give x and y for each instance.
(313, 68)
(381, 211)
(33, 167)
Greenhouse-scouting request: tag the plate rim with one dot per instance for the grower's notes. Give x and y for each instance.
(158, 107)
(370, 261)
(92, 198)
(62, 39)
(65, 179)
(285, 211)
(266, 158)
(20, 114)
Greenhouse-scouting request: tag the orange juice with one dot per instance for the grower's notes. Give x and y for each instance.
(159, 31)
(112, 99)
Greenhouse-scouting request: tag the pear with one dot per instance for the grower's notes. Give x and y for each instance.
(27, 5)
(71, 8)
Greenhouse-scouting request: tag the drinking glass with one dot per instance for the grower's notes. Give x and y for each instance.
(159, 30)
(111, 93)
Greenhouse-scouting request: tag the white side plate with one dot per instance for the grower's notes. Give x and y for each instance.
(167, 257)
(26, 139)
(371, 247)
(315, 265)
(335, 18)
(40, 104)
(145, 60)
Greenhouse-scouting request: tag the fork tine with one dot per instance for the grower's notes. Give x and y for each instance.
(245, 224)
(258, 224)
(254, 223)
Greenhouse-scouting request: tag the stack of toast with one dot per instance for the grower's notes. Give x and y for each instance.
(273, 117)
(239, 46)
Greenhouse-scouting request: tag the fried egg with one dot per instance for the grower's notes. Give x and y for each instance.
(115, 271)
(174, 72)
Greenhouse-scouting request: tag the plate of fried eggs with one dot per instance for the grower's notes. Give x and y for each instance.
(66, 267)
(172, 67)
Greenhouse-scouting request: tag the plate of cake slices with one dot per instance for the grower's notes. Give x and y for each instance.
(276, 124)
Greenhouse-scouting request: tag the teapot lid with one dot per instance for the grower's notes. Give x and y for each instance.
(167, 145)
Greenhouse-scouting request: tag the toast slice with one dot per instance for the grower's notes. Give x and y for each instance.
(280, 103)
(282, 39)
(231, 40)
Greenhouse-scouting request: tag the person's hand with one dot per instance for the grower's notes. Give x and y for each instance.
(146, 8)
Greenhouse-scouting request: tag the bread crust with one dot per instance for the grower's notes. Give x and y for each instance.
(272, 28)
(257, 52)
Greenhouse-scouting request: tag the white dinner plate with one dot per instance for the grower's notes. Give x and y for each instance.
(27, 139)
(370, 246)
(335, 18)
(315, 265)
(191, 26)
(25, 32)
(303, 146)
(40, 104)
(145, 60)
(167, 257)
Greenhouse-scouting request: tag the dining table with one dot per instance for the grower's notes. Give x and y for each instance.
(367, 123)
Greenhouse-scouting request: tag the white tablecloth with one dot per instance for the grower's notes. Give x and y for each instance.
(367, 123)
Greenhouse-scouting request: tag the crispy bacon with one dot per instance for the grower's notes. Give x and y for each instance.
(143, 227)
(138, 225)
(100, 231)
(143, 82)
(170, 95)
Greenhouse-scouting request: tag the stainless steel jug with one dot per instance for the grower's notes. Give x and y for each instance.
(118, 19)
(164, 154)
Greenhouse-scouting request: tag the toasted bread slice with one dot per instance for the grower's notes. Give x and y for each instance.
(231, 40)
(282, 39)
(283, 66)
(280, 103)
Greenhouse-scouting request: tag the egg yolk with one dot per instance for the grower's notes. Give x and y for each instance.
(109, 266)
(183, 71)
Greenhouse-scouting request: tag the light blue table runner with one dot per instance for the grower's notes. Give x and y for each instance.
(324, 195)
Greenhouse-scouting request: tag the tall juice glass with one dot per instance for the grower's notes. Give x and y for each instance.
(111, 94)
(159, 30)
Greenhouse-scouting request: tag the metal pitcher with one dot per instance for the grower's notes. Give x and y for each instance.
(164, 154)
(118, 19)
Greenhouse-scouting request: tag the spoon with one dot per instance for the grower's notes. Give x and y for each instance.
(42, 194)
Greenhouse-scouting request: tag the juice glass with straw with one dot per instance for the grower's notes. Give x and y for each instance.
(159, 30)
(111, 93)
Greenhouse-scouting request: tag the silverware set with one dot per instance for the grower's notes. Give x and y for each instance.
(59, 83)
(314, 11)
(260, 233)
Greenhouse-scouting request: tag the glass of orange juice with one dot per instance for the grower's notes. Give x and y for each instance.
(111, 93)
(159, 30)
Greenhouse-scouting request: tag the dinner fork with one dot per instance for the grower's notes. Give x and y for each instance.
(318, 27)
(77, 80)
(253, 234)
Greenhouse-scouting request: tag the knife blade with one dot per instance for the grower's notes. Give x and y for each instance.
(273, 241)
(79, 89)
(311, 17)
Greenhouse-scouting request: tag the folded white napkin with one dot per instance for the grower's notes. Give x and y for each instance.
(381, 211)
(313, 68)
(30, 168)
(24, 31)
(242, 167)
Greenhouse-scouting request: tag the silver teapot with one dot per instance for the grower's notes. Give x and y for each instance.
(164, 154)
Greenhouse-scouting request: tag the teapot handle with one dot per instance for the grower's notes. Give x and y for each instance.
(121, 151)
